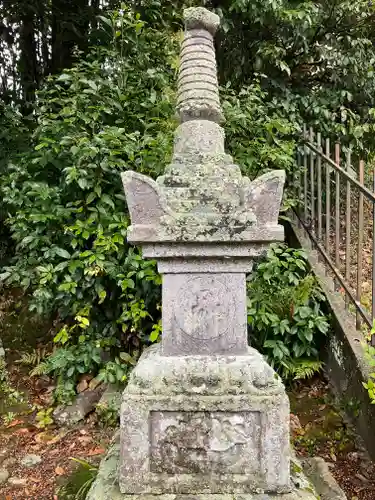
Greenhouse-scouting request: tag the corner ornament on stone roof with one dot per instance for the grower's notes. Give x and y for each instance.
(202, 196)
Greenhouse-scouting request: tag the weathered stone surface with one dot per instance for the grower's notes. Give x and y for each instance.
(106, 486)
(191, 253)
(144, 198)
(202, 196)
(4, 474)
(318, 471)
(203, 416)
(31, 460)
(17, 481)
(204, 313)
(202, 101)
(83, 404)
(195, 424)
(227, 375)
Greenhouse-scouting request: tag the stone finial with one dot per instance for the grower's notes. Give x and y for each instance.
(201, 18)
(198, 94)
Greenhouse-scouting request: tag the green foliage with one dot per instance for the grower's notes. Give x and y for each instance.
(68, 215)
(269, 145)
(108, 411)
(8, 395)
(258, 136)
(14, 135)
(285, 312)
(8, 417)
(11, 400)
(370, 356)
(79, 483)
(33, 358)
(315, 58)
(44, 418)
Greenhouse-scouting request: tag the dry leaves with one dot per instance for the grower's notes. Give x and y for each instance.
(14, 423)
(96, 451)
(59, 471)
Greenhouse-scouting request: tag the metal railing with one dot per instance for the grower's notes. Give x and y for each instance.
(337, 211)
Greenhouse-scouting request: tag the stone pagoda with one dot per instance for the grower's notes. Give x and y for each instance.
(203, 416)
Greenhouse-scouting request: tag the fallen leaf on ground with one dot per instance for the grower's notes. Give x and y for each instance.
(14, 423)
(97, 451)
(59, 471)
(24, 430)
(85, 439)
(44, 437)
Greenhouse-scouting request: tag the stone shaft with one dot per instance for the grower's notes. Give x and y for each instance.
(204, 313)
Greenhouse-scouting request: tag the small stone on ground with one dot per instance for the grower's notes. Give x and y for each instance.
(4, 474)
(17, 481)
(31, 460)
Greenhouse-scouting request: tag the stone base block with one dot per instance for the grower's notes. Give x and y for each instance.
(106, 486)
(293, 495)
(204, 425)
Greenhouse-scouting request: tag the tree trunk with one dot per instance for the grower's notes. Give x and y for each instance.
(70, 26)
(28, 66)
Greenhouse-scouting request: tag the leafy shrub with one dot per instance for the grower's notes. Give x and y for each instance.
(314, 58)
(258, 136)
(370, 356)
(285, 312)
(14, 136)
(78, 484)
(68, 216)
(9, 395)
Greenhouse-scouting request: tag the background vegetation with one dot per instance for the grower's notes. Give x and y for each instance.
(88, 91)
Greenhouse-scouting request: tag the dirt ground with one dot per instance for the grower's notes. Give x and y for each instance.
(58, 449)
(319, 428)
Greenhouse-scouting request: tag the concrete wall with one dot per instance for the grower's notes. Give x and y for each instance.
(343, 354)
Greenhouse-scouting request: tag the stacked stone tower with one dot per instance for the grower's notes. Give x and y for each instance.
(203, 414)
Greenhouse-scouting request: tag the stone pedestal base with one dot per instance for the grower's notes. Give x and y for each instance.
(204, 425)
(106, 486)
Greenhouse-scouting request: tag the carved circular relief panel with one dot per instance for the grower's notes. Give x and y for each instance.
(203, 307)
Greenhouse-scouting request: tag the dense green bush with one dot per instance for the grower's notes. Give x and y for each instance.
(285, 312)
(14, 135)
(258, 136)
(68, 215)
(315, 58)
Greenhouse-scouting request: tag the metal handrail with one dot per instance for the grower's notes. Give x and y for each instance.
(365, 316)
(321, 217)
(369, 194)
